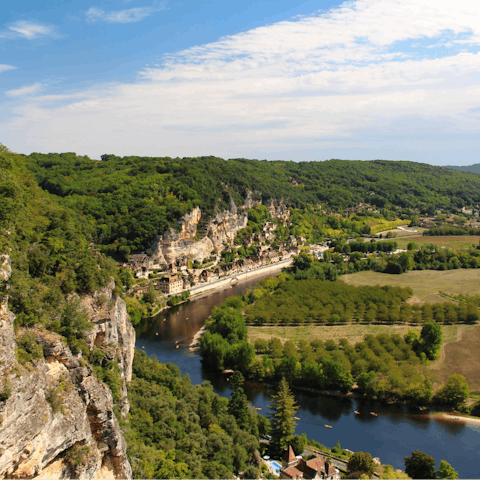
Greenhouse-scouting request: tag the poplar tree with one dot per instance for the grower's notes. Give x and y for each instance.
(238, 403)
(283, 409)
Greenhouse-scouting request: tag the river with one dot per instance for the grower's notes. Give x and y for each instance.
(391, 436)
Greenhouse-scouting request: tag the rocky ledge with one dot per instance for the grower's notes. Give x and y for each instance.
(56, 417)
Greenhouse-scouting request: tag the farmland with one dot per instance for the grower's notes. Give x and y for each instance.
(455, 242)
(426, 284)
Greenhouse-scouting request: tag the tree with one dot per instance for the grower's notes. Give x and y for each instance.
(420, 465)
(251, 472)
(283, 409)
(455, 391)
(431, 340)
(361, 462)
(390, 473)
(445, 470)
(238, 403)
(302, 262)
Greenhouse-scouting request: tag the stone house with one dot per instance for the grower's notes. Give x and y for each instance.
(170, 284)
(295, 467)
(292, 240)
(141, 264)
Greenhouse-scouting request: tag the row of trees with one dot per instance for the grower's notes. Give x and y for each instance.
(451, 230)
(315, 301)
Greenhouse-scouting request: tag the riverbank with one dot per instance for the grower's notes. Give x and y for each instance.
(202, 291)
(456, 417)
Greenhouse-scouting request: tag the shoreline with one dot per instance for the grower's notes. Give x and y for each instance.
(456, 417)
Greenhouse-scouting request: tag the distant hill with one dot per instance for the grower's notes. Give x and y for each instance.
(475, 168)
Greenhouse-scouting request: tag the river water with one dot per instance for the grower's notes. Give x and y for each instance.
(391, 436)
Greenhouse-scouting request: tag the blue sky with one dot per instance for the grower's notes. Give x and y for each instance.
(269, 79)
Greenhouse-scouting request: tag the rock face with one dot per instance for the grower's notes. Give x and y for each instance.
(112, 331)
(57, 419)
(219, 230)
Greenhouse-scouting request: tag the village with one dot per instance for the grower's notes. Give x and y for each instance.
(185, 275)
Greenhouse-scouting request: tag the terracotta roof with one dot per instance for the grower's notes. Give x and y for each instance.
(289, 455)
(293, 472)
(317, 464)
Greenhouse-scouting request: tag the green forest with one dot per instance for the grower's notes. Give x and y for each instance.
(130, 200)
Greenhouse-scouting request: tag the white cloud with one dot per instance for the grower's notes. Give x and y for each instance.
(130, 15)
(344, 81)
(31, 30)
(27, 90)
(5, 68)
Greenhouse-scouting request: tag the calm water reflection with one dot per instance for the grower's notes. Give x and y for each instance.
(395, 433)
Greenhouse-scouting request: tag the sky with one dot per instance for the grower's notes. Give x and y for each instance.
(274, 79)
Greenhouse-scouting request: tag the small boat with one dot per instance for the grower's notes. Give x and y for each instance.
(143, 346)
(296, 418)
(374, 414)
(357, 412)
(257, 408)
(328, 426)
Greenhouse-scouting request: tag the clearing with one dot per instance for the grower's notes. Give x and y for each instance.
(353, 333)
(426, 284)
(460, 354)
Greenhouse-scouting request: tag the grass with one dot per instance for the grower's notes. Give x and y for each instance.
(426, 284)
(460, 354)
(353, 333)
(455, 242)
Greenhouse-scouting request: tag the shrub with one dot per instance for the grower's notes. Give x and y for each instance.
(77, 454)
(54, 399)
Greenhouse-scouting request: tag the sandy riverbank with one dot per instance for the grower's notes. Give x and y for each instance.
(456, 417)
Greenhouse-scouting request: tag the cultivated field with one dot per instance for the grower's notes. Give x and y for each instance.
(455, 242)
(353, 333)
(416, 231)
(460, 354)
(426, 284)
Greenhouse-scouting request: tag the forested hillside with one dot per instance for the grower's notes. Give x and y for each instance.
(130, 200)
(475, 168)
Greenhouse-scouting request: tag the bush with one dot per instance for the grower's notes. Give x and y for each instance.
(6, 392)
(77, 454)
(54, 399)
(28, 349)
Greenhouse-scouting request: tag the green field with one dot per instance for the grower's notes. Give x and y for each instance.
(456, 242)
(426, 284)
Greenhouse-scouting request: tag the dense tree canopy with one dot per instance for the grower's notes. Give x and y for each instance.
(131, 200)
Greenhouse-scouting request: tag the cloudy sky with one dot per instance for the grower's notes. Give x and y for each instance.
(272, 79)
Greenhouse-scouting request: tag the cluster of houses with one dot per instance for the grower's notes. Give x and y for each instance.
(295, 467)
(180, 275)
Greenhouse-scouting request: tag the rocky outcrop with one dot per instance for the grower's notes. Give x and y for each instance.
(112, 331)
(189, 243)
(56, 417)
(218, 232)
(7, 334)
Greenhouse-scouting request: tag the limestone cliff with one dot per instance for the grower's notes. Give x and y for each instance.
(188, 242)
(218, 231)
(56, 418)
(112, 331)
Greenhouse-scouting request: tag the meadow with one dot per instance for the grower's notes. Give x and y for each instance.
(426, 284)
(455, 242)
